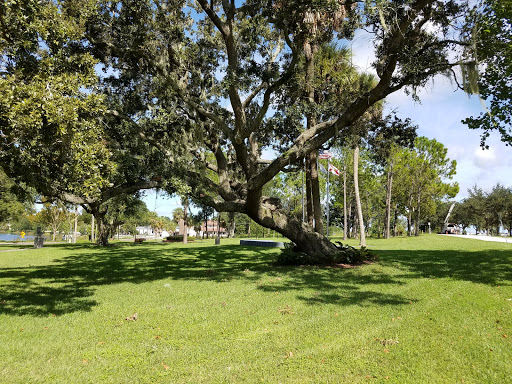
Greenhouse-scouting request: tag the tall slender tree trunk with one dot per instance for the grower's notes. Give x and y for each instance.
(345, 218)
(185, 220)
(54, 232)
(231, 229)
(409, 219)
(217, 238)
(309, 193)
(379, 225)
(418, 215)
(93, 232)
(75, 225)
(395, 222)
(315, 191)
(350, 223)
(362, 237)
(310, 49)
(389, 188)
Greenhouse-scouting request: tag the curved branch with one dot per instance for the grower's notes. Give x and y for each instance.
(278, 83)
(213, 16)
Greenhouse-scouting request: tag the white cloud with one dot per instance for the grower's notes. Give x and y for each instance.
(485, 158)
(363, 52)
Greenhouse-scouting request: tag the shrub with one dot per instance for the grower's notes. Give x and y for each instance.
(179, 238)
(291, 255)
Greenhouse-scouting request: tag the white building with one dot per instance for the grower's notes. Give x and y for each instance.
(146, 230)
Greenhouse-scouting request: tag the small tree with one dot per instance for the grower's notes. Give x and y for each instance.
(53, 215)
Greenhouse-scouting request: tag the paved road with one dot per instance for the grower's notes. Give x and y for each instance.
(501, 239)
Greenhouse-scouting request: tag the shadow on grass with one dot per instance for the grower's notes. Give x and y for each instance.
(67, 284)
(490, 267)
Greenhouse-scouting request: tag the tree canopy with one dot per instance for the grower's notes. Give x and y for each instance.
(196, 86)
(491, 24)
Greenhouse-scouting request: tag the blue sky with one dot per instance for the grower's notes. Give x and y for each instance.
(438, 115)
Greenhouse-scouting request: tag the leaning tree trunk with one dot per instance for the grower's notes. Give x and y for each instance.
(267, 212)
(362, 238)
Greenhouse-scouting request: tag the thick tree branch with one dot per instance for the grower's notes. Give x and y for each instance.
(276, 85)
(197, 107)
(313, 138)
(264, 84)
(213, 16)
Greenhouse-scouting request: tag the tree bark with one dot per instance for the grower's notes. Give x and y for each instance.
(389, 188)
(75, 225)
(231, 229)
(93, 231)
(345, 218)
(350, 224)
(103, 229)
(362, 237)
(409, 219)
(418, 215)
(315, 191)
(310, 50)
(309, 194)
(265, 212)
(395, 222)
(185, 220)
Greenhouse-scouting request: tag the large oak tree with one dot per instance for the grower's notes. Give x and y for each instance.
(204, 84)
(200, 81)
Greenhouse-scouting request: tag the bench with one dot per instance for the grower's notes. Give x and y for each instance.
(140, 240)
(262, 243)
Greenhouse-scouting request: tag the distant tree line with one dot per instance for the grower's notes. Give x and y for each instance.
(486, 211)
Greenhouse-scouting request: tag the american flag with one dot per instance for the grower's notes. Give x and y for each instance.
(333, 170)
(324, 154)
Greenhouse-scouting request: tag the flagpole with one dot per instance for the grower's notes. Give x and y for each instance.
(328, 166)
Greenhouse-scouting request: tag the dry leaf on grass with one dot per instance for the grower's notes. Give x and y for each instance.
(387, 341)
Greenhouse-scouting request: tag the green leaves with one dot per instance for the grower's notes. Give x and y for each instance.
(491, 30)
(49, 109)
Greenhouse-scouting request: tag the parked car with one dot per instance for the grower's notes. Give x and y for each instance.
(451, 229)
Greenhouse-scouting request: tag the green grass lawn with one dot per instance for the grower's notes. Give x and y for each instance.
(435, 309)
